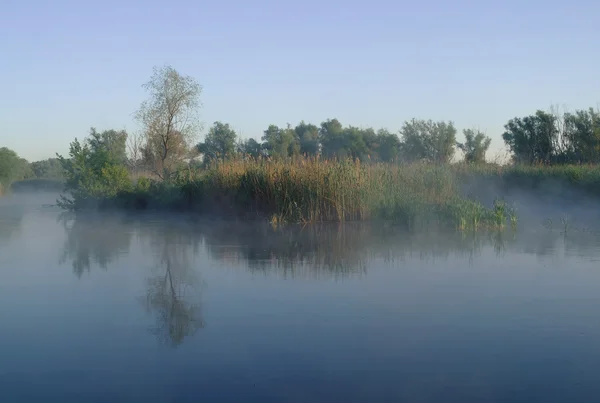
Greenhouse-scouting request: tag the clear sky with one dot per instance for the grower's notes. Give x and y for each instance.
(67, 65)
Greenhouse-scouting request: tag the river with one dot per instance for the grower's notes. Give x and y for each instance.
(171, 308)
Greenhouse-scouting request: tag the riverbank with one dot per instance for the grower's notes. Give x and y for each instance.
(457, 196)
(310, 190)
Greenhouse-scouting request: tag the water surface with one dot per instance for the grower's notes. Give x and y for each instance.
(149, 308)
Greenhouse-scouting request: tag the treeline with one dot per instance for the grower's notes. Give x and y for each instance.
(169, 124)
(417, 140)
(546, 138)
(555, 138)
(14, 168)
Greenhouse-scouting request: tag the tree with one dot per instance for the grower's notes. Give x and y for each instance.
(111, 142)
(388, 146)
(331, 135)
(582, 136)
(94, 171)
(307, 136)
(219, 143)
(47, 169)
(532, 139)
(430, 140)
(135, 148)
(475, 146)
(251, 148)
(12, 167)
(280, 143)
(169, 119)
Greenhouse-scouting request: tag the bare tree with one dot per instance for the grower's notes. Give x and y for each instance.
(134, 149)
(169, 119)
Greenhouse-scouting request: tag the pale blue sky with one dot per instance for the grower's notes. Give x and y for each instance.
(68, 65)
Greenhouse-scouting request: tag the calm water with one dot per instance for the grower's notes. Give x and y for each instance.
(167, 309)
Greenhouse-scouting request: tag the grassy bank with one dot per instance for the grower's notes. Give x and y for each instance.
(312, 190)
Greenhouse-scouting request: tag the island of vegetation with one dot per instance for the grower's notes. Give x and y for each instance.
(308, 172)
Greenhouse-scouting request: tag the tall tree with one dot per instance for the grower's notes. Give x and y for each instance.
(532, 139)
(109, 142)
(426, 139)
(251, 148)
(169, 119)
(582, 136)
(308, 137)
(219, 143)
(388, 146)
(279, 142)
(475, 146)
(331, 135)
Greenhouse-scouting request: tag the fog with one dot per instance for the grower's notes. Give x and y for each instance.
(174, 307)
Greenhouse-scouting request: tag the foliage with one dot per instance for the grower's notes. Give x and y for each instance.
(169, 119)
(12, 167)
(47, 169)
(251, 148)
(475, 146)
(429, 140)
(554, 138)
(581, 136)
(219, 143)
(313, 190)
(94, 171)
(280, 143)
(531, 139)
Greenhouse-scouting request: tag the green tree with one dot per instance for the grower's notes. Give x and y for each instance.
(475, 146)
(251, 148)
(426, 139)
(332, 139)
(93, 172)
(169, 119)
(219, 143)
(47, 169)
(387, 147)
(307, 135)
(532, 139)
(581, 134)
(280, 143)
(13, 167)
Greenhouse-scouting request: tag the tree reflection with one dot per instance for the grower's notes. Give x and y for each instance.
(11, 218)
(93, 239)
(338, 250)
(172, 296)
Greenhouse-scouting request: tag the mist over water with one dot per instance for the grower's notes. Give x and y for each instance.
(172, 308)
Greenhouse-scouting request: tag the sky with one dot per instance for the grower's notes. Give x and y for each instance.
(66, 65)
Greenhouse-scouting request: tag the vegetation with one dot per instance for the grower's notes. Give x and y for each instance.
(309, 172)
(12, 168)
(169, 120)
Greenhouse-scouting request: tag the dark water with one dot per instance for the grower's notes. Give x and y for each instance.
(149, 309)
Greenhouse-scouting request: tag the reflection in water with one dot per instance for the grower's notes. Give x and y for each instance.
(338, 250)
(10, 221)
(329, 250)
(316, 251)
(11, 217)
(92, 239)
(171, 294)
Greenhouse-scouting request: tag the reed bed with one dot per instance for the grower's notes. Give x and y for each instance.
(314, 190)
